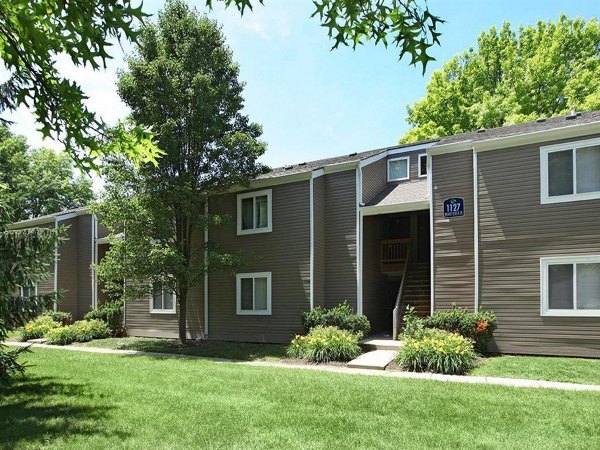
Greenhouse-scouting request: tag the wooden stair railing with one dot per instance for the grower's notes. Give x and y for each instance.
(393, 255)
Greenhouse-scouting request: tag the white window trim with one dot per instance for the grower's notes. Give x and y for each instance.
(544, 151)
(407, 158)
(545, 311)
(162, 311)
(35, 288)
(253, 195)
(238, 294)
(422, 155)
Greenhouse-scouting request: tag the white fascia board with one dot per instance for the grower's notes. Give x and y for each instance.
(397, 207)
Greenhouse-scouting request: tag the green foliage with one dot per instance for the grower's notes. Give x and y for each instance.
(340, 316)
(39, 182)
(80, 331)
(181, 81)
(325, 344)
(61, 317)
(542, 70)
(38, 327)
(409, 25)
(112, 314)
(32, 35)
(9, 364)
(475, 326)
(437, 351)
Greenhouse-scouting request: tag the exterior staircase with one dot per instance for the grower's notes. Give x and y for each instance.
(417, 291)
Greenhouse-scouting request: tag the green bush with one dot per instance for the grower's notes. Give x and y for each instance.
(478, 327)
(111, 313)
(340, 316)
(324, 344)
(80, 331)
(61, 317)
(437, 351)
(37, 328)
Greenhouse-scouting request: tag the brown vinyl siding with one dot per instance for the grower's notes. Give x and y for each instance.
(141, 322)
(374, 179)
(319, 208)
(285, 252)
(84, 262)
(340, 238)
(68, 268)
(454, 261)
(515, 231)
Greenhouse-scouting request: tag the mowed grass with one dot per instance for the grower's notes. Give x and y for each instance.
(213, 349)
(572, 370)
(80, 400)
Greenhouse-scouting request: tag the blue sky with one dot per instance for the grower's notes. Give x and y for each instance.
(313, 102)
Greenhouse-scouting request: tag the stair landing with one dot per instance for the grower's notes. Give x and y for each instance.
(376, 360)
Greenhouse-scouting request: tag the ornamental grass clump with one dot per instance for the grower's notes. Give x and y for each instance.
(325, 344)
(37, 328)
(437, 351)
(80, 331)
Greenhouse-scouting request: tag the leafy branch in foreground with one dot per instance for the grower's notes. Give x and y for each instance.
(32, 35)
(408, 24)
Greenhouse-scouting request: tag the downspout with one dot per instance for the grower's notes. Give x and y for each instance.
(476, 228)
(312, 240)
(205, 269)
(55, 266)
(431, 231)
(359, 242)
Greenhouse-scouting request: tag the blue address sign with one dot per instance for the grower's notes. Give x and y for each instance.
(454, 207)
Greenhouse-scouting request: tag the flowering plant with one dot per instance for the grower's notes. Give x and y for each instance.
(324, 344)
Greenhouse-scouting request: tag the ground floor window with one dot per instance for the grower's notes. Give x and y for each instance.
(253, 293)
(163, 299)
(571, 286)
(28, 291)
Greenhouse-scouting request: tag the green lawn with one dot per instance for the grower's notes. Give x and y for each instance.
(82, 400)
(573, 370)
(214, 349)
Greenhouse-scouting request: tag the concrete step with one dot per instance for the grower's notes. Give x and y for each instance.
(380, 344)
(376, 359)
(37, 341)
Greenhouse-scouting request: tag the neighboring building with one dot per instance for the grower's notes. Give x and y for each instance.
(506, 219)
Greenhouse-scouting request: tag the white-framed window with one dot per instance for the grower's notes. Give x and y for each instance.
(253, 293)
(398, 169)
(570, 171)
(422, 165)
(28, 291)
(570, 286)
(255, 212)
(163, 300)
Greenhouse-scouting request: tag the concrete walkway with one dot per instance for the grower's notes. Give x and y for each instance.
(512, 382)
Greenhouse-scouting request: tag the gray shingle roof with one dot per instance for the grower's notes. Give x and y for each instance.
(409, 192)
(524, 128)
(320, 163)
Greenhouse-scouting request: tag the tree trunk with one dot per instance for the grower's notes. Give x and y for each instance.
(183, 316)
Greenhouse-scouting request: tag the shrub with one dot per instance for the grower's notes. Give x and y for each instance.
(37, 328)
(340, 316)
(61, 317)
(324, 344)
(477, 327)
(437, 351)
(111, 313)
(80, 331)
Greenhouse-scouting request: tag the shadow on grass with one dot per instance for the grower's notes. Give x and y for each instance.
(40, 410)
(209, 349)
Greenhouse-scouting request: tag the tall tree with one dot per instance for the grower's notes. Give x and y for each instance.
(512, 77)
(183, 82)
(25, 256)
(39, 181)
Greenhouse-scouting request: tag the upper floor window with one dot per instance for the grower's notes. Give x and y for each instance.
(398, 169)
(163, 299)
(570, 171)
(28, 291)
(253, 293)
(423, 165)
(571, 286)
(254, 212)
